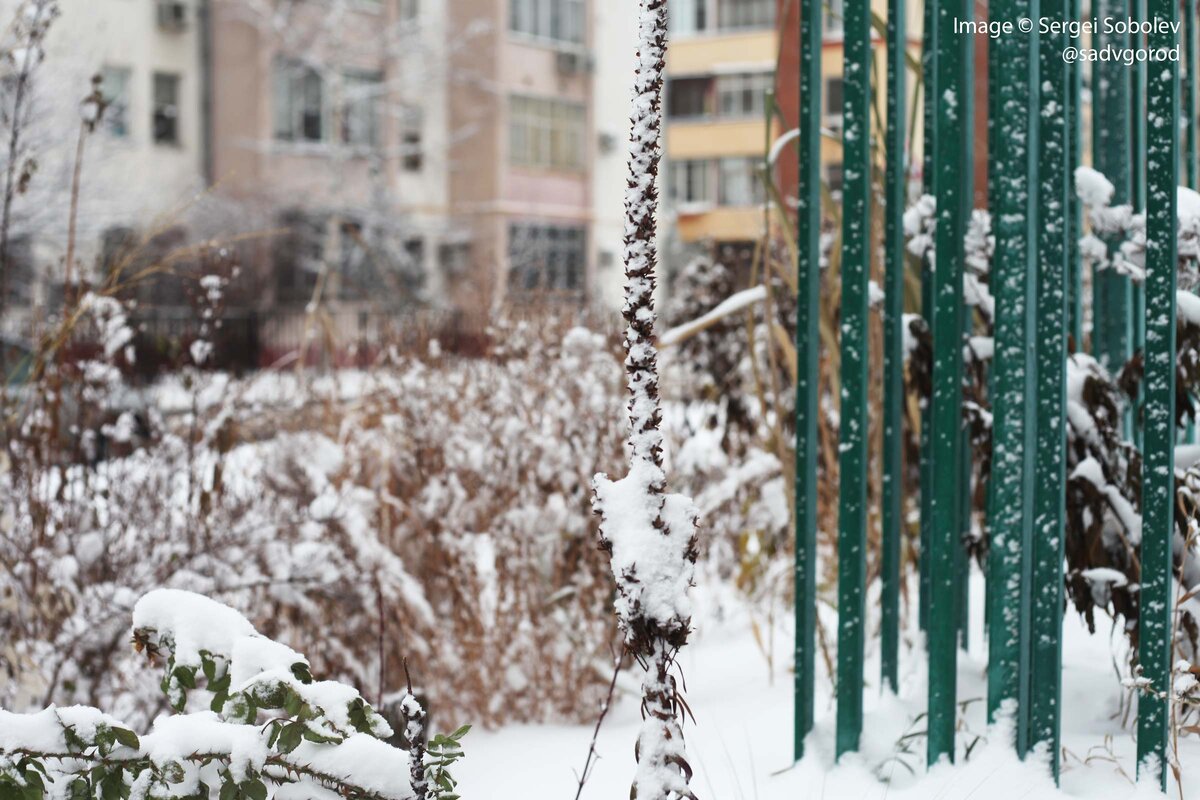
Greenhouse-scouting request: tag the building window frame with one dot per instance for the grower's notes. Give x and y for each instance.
(115, 83)
(166, 88)
(547, 258)
(300, 100)
(547, 133)
(557, 22)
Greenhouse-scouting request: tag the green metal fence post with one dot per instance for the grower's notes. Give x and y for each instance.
(1188, 89)
(893, 346)
(1111, 293)
(929, 84)
(1138, 164)
(966, 98)
(853, 426)
(1049, 498)
(947, 387)
(808, 346)
(1010, 514)
(1074, 206)
(1158, 470)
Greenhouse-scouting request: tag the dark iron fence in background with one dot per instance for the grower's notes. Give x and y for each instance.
(249, 339)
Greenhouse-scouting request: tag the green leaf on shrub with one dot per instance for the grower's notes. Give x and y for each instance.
(255, 790)
(301, 671)
(185, 677)
(127, 738)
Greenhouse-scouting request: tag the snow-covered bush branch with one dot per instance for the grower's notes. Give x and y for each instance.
(268, 723)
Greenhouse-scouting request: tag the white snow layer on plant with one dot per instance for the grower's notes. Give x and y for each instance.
(652, 564)
(730, 305)
(193, 622)
(1092, 187)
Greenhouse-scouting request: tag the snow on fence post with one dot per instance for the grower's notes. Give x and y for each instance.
(808, 346)
(893, 346)
(855, 357)
(1049, 496)
(946, 438)
(1111, 292)
(1010, 516)
(649, 534)
(1158, 472)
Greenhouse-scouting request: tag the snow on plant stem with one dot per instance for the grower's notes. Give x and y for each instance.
(650, 535)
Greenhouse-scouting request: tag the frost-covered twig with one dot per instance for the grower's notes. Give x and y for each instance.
(650, 535)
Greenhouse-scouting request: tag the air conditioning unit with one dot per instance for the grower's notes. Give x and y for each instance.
(573, 62)
(172, 15)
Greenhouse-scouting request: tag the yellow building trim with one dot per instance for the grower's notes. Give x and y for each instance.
(701, 55)
(721, 225)
(715, 139)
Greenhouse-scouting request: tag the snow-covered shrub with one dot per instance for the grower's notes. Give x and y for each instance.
(711, 363)
(249, 719)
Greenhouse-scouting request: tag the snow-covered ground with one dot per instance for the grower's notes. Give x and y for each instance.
(740, 743)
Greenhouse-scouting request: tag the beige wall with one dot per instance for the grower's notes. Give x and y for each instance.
(485, 190)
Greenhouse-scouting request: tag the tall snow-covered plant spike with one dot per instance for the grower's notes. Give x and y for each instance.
(650, 535)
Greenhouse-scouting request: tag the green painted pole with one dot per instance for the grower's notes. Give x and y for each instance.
(1074, 206)
(1049, 496)
(965, 85)
(893, 346)
(929, 120)
(1010, 514)
(946, 439)
(1138, 163)
(853, 432)
(1158, 466)
(1111, 293)
(808, 346)
(1188, 88)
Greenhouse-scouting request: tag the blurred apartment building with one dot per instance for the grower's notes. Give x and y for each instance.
(720, 66)
(384, 154)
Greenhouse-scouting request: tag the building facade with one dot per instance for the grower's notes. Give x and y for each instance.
(143, 164)
(522, 169)
(329, 124)
(720, 67)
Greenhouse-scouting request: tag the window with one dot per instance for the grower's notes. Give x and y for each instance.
(299, 103)
(166, 108)
(834, 177)
(546, 133)
(118, 246)
(690, 182)
(356, 270)
(455, 258)
(114, 85)
(546, 258)
(744, 95)
(747, 14)
(688, 97)
(557, 20)
(739, 184)
(359, 117)
(835, 11)
(299, 254)
(834, 97)
(411, 138)
(688, 16)
(19, 282)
